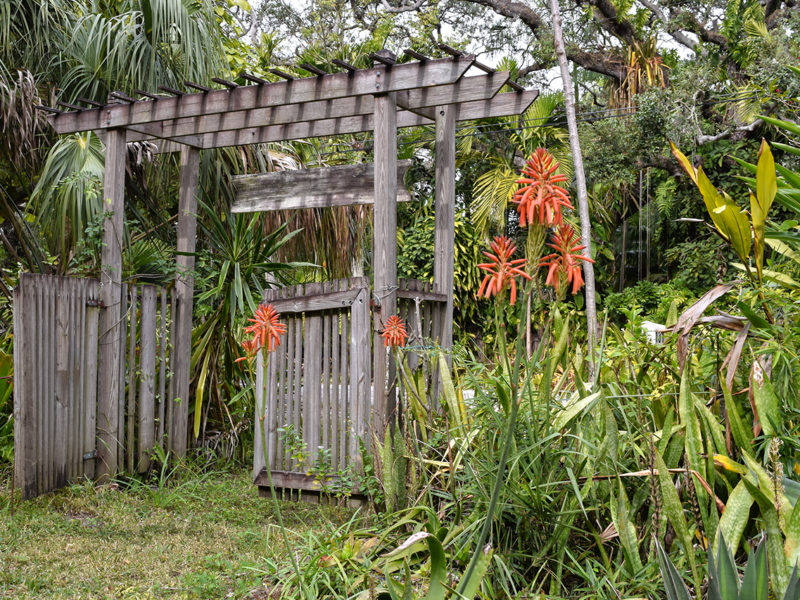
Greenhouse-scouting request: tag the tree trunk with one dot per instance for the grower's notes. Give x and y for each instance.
(580, 180)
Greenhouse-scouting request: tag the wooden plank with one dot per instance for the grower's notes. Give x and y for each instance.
(360, 372)
(297, 398)
(335, 387)
(280, 399)
(123, 376)
(312, 378)
(314, 302)
(147, 384)
(384, 251)
(291, 480)
(184, 290)
(344, 400)
(338, 85)
(90, 380)
(445, 198)
(258, 413)
(512, 103)
(40, 325)
(25, 421)
(130, 435)
(162, 363)
(466, 89)
(110, 280)
(311, 188)
(325, 403)
(74, 432)
(288, 394)
(425, 296)
(170, 408)
(61, 396)
(270, 420)
(51, 332)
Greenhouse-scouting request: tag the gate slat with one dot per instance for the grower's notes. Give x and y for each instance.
(119, 434)
(333, 413)
(90, 381)
(61, 397)
(298, 374)
(49, 398)
(131, 372)
(147, 368)
(344, 403)
(162, 366)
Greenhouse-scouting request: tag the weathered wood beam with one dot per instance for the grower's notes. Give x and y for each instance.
(317, 302)
(467, 89)
(110, 349)
(337, 85)
(312, 188)
(184, 290)
(502, 105)
(445, 217)
(384, 253)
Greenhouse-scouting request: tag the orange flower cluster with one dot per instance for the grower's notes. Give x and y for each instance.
(266, 329)
(540, 199)
(565, 259)
(394, 332)
(502, 270)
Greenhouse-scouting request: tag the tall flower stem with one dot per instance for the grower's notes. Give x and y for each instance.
(276, 502)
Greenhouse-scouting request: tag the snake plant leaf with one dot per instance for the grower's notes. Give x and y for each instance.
(673, 509)
(481, 567)
(575, 407)
(791, 544)
(733, 521)
(766, 401)
(688, 416)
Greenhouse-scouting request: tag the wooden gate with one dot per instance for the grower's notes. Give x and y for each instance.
(315, 395)
(56, 349)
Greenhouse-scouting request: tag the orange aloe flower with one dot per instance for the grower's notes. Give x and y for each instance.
(502, 271)
(266, 329)
(566, 259)
(540, 199)
(394, 332)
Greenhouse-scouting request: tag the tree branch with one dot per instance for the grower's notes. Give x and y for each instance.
(678, 35)
(746, 129)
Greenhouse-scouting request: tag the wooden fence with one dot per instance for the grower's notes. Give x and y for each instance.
(317, 383)
(315, 394)
(56, 349)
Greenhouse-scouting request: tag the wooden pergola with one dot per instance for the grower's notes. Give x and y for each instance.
(381, 99)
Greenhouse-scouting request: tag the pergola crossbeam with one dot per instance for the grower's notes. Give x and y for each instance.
(511, 103)
(465, 90)
(400, 77)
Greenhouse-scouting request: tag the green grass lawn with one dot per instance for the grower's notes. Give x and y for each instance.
(208, 536)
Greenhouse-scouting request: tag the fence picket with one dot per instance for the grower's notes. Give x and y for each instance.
(147, 382)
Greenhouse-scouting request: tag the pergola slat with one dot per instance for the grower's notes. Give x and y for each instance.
(400, 77)
(465, 90)
(502, 105)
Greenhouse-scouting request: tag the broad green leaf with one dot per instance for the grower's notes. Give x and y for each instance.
(685, 162)
(688, 415)
(791, 545)
(449, 391)
(626, 529)
(785, 125)
(575, 407)
(735, 518)
(481, 567)
(673, 509)
(777, 559)
(767, 184)
(766, 402)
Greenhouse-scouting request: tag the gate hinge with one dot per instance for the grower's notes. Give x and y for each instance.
(92, 302)
(90, 455)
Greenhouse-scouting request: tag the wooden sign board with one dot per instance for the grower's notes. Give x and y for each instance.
(312, 188)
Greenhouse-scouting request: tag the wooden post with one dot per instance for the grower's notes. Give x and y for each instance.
(110, 351)
(184, 290)
(445, 217)
(384, 252)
